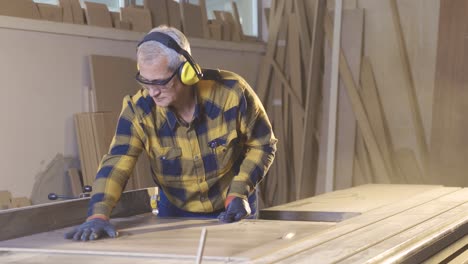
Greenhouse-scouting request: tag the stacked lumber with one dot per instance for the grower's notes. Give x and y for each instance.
(111, 81)
(373, 127)
(7, 201)
(289, 86)
(189, 18)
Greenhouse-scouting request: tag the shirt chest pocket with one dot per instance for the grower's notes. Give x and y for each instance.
(169, 161)
(226, 150)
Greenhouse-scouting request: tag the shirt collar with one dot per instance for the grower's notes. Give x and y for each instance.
(171, 116)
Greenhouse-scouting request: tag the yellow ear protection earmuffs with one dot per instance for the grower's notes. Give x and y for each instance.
(189, 72)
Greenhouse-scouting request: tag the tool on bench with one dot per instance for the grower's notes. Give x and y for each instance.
(86, 193)
(154, 199)
(201, 246)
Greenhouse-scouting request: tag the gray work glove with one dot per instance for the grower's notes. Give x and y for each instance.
(92, 229)
(236, 210)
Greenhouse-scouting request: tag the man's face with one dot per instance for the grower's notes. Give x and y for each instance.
(163, 95)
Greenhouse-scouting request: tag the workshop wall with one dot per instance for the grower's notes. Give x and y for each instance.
(45, 79)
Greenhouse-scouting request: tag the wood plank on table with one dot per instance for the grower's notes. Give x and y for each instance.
(284, 250)
(450, 252)
(51, 216)
(438, 231)
(423, 216)
(173, 238)
(357, 199)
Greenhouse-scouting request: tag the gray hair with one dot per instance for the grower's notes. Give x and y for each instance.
(152, 51)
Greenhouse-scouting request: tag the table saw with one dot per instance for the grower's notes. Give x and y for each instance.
(365, 224)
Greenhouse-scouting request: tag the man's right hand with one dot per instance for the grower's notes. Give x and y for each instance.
(92, 229)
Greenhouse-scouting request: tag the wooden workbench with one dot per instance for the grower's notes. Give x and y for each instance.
(395, 223)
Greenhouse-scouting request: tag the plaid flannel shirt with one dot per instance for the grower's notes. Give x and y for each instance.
(226, 150)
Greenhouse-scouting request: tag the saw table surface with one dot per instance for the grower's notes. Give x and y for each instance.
(410, 223)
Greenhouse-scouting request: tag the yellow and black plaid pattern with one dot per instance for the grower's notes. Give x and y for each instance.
(226, 150)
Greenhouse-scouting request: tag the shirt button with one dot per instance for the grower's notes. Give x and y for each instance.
(163, 157)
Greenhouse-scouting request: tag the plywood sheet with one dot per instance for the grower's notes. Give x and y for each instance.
(378, 121)
(351, 43)
(112, 79)
(310, 149)
(75, 181)
(450, 123)
(67, 11)
(192, 20)
(308, 248)
(140, 18)
(5, 200)
(159, 12)
(19, 8)
(216, 30)
(405, 225)
(357, 199)
(50, 12)
(77, 11)
(17, 202)
(173, 10)
(98, 15)
(175, 237)
(419, 20)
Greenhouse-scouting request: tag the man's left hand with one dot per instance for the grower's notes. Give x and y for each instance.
(236, 210)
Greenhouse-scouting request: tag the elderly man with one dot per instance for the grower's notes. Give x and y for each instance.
(206, 133)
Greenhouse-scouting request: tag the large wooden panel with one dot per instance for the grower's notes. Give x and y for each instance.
(351, 43)
(406, 230)
(357, 199)
(140, 18)
(175, 238)
(375, 218)
(50, 12)
(67, 11)
(98, 15)
(173, 10)
(112, 79)
(450, 123)
(192, 20)
(380, 236)
(419, 20)
(158, 9)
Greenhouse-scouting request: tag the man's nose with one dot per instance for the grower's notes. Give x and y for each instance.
(154, 91)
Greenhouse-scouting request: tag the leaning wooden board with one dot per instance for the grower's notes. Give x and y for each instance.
(376, 234)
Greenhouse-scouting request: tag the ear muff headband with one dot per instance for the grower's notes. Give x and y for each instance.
(190, 73)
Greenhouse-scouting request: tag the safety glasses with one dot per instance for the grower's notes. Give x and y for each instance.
(163, 82)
